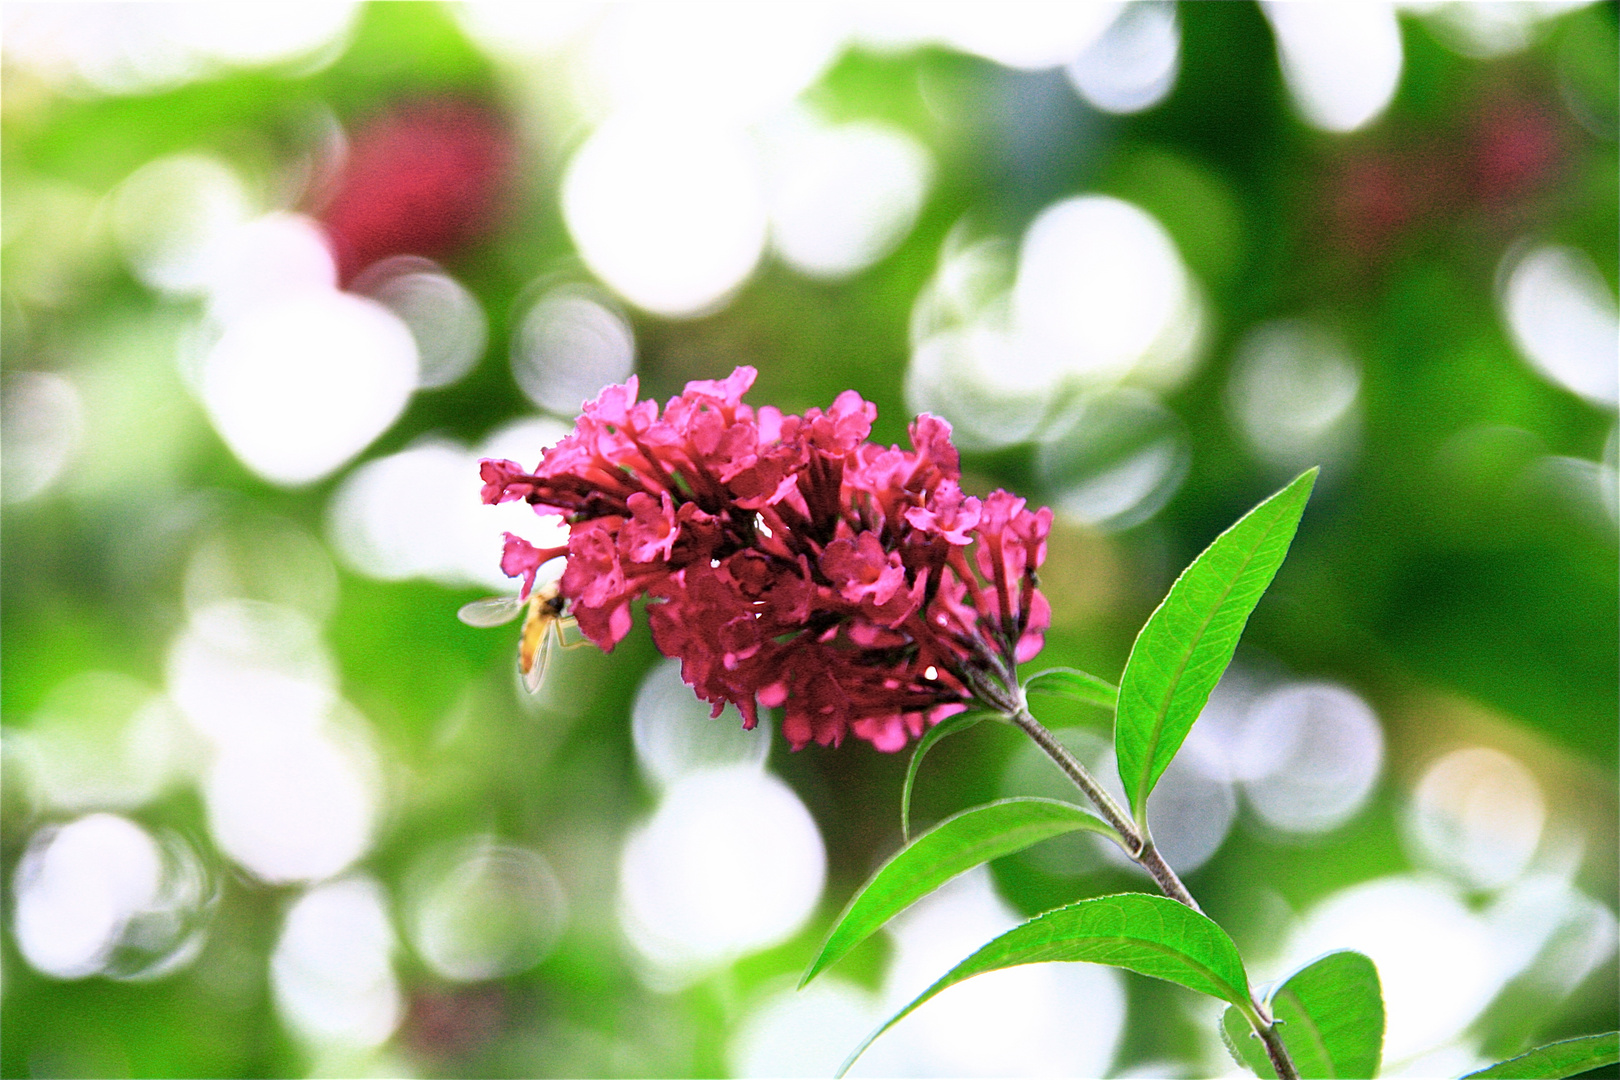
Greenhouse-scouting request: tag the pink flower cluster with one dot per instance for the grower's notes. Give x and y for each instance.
(786, 560)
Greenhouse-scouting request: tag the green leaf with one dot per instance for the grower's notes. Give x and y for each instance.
(946, 727)
(1073, 684)
(1152, 935)
(1330, 1015)
(1568, 1058)
(957, 844)
(1189, 639)
(1244, 1045)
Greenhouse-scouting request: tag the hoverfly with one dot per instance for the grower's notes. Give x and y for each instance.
(542, 625)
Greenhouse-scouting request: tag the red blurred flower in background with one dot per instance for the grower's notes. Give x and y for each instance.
(1511, 147)
(424, 179)
(787, 560)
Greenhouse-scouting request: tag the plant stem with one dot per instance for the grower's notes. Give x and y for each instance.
(1139, 846)
(1142, 851)
(1280, 1060)
(1169, 884)
(1110, 810)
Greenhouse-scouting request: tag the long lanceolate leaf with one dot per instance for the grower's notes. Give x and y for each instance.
(1190, 638)
(1152, 935)
(1331, 1018)
(957, 844)
(1568, 1058)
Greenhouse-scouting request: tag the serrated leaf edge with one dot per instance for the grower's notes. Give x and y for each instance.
(1609, 1057)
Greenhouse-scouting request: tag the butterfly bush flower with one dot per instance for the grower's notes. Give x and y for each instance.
(786, 560)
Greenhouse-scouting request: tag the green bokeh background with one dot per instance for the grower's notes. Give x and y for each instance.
(1466, 607)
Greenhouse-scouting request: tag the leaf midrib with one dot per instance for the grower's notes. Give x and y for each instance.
(1214, 978)
(1050, 826)
(1315, 1031)
(1139, 802)
(846, 935)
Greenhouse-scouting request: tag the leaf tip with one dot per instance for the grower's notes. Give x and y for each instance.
(824, 959)
(849, 1062)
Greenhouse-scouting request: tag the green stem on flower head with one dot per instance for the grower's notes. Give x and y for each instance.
(1138, 844)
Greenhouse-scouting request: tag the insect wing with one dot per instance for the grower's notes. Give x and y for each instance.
(533, 647)
(536, 674)
(492, 611)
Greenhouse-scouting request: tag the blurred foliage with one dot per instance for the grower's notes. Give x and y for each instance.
(1467, 608)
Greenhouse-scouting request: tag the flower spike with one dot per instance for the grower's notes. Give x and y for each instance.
(787, 561)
